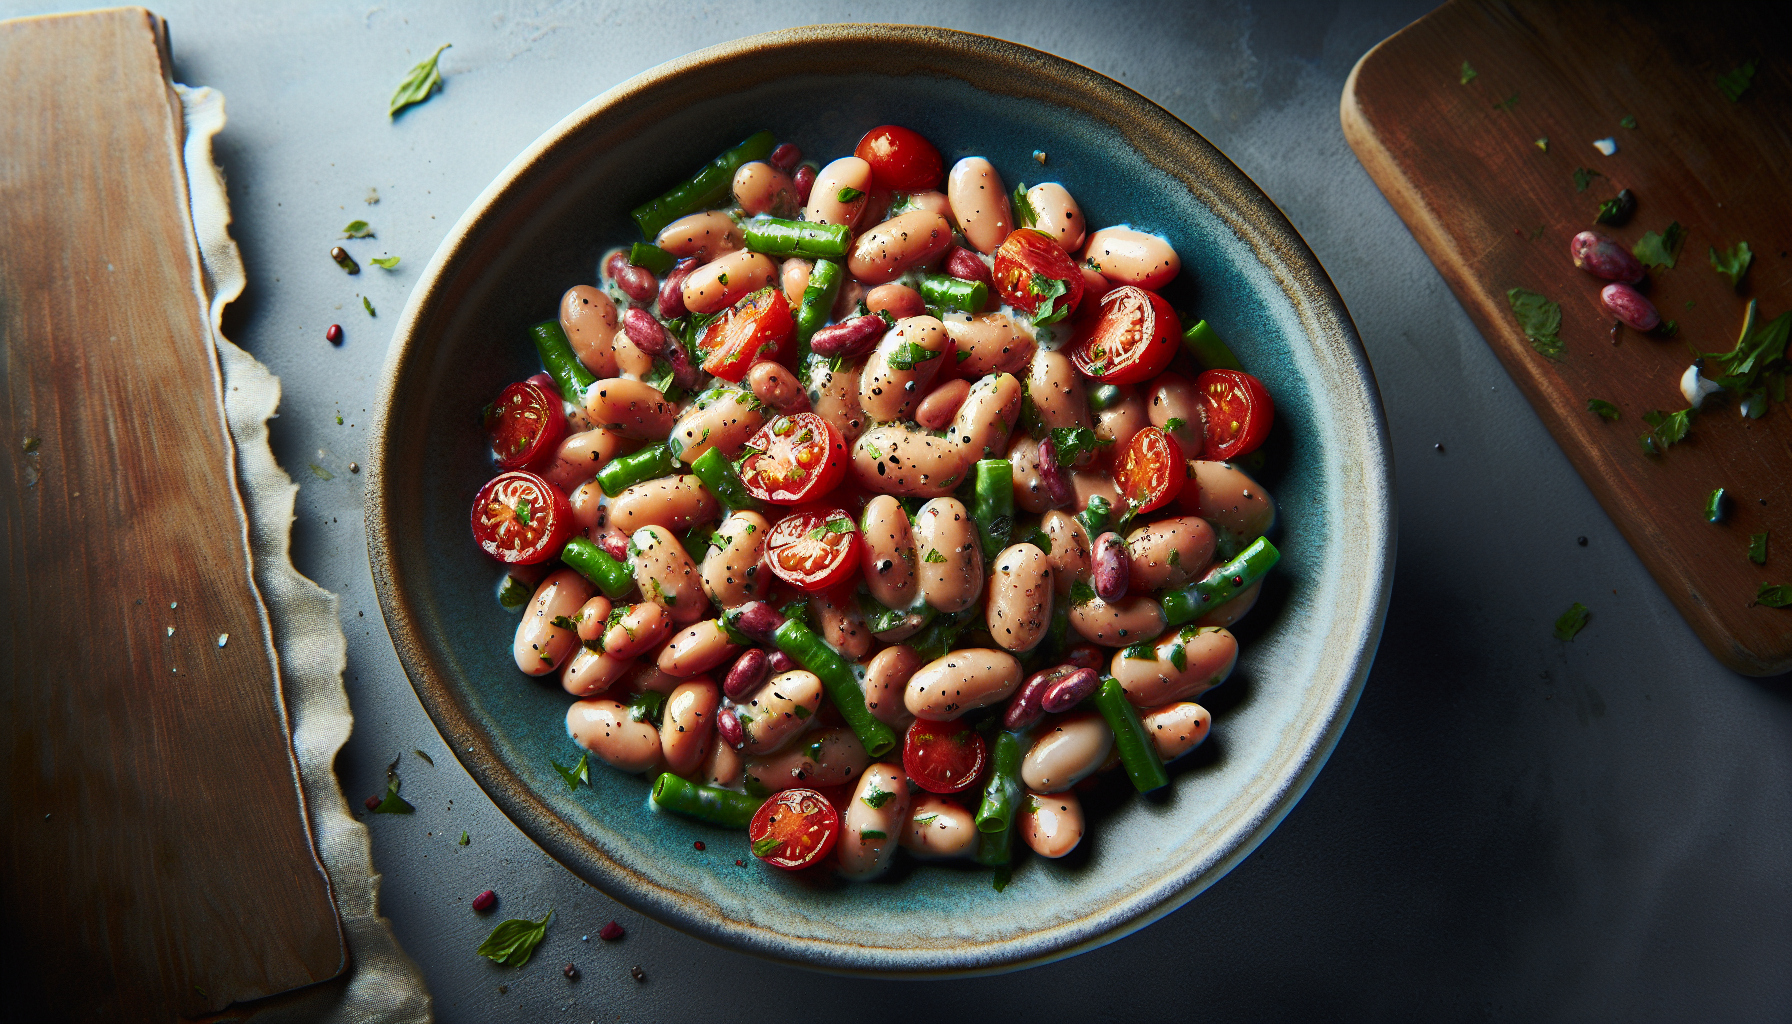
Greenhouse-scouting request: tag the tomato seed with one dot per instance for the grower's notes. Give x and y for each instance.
(610, 932)
(485, 901)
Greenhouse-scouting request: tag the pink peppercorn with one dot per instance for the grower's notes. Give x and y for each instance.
(485, 901)
(610, 932)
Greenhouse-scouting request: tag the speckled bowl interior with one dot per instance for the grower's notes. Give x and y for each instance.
(541, 227)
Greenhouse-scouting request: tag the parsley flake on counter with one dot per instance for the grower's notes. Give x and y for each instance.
(1542, 143)
(1756, 368)
(463, 839)
(1774, 595)
(1604, 408)
(1539, 319)
(1508, 103)
(1665, 430)
(357, 229)
(384, 262)
(1583, 176)
(1757, 548)
(1736, 82)
(1572, 621)
(1660, 250)
(512, 942)
(1733, 263)
(1468, 73)
(321, 473)
(368, 306)
(1627, 121)
(578, 773)
(419, 83)
(393, 803)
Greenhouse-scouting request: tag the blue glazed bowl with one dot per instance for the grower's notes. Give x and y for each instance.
(541, 227)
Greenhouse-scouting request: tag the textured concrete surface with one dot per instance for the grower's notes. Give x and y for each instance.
(1512, 827)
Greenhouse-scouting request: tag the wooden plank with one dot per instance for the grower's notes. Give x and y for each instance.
(157, 861)
(1493, 210)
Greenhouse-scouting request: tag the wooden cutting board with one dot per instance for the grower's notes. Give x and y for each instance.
(1495, 210)
(156, 861)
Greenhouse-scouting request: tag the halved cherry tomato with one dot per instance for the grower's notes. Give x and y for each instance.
(900, 159)
(943, 757)
(813, 550)
(794, 829)
(521, 519)
(525, 424)
(757, 327)
(1133, 339)
(1150, 471)
(1239, 413)
(1035, 274)
(793, 459)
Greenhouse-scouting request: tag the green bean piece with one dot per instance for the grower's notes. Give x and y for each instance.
(951, 293)
(649, 463)
(842, 685)
(1094, 518)
(650, 257)
(696, 542)
(705, 189)
(1222, 584)
(995, 848)
(1002, 796)
(1137, 755)
(817, 305)
(722, 807)
(562, 364)
(595, 564)
(1207, 348)
(774, 236)
(1105, 396)
(1714, 507)
(994, 511)
(717, 474)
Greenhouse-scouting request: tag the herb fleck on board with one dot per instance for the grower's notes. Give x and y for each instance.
(419, 83)
(1660, 250)
(1468, 73)
(1572, 621)
(1604, 409)
(1539, 319)
(512, 942)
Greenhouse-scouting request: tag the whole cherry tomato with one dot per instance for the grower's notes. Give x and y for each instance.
(813, 550)
(1133, 340)
(1239, 413)
(757, 327)
(1150, 471)
(793, 459)
(794, 829)
(1034, 274)
(943, 757)
(521, 519)
(525, 424)
(901, 160)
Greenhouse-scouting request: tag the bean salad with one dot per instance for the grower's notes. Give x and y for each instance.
(872, 505)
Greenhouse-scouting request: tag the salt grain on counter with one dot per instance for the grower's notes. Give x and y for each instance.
(223, 638)
(1608, 146)
(170, 630)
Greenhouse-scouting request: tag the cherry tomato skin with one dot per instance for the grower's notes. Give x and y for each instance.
(525, 425)
(1239, 413)
(795, 459)
(794, 829)
(1028, 253)
(901, 160)
(813, 550)
(521, 519)
(1151, 471)
(757, 327)
(1132, 340)
(943, 757)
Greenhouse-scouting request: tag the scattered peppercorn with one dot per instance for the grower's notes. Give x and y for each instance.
(503, 989)
(372, 802)
(344, 260)
(698, 846)
(485, 901)
(610, 932)
(1582, 541)
(1439, 447)
(334, 334)
(354, 467)
(1616, 325)
(571, 972)
(639, 974)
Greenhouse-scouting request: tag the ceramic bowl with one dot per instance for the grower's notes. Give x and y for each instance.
(541, 227)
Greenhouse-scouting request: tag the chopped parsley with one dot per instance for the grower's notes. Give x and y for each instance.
(1736, 82)
(463, 839)
(1069, 443)
(1539, 319)
(1774, 595)
(419, 83)
(564, 623)
(877, 797)
(933, 556)
(1756, 368)
(321, 473)
(868, 834)
(1627, 121)
(1173, 424)
(1468, 73)
(1583, 176)
(1734, 263)
(367, 304)
(1024, 214)
(849, 195)
(357, 229)
(907, 356)
(392, 802)
(1572, 621)
(1081, 593)
(513, 594)
(1665, 430)
(524, 511)
(512, 942)
(647, 706)
(1604, 408)
(1660, 250)
(763, 847)
(1050, 290)
(1757, 548)
(1179, 657)
(1508, 103)
(801, 713)
(578, 773)
(1144, 650)
(384, 262)
(926, 819)
(1542, 143)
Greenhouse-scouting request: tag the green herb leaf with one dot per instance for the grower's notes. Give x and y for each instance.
(647, 706)
(426, 758)
(1539, 319)
(1774, 596)
(1508, 103)
(1660, 250)
(525, 511)
(513, 594)
(850, 195)
(908, 355)
(1179, 657)
(368, 305)
(1040, 539)
(763, 847)
(1735, 83)
(1603, 408)
(1173, 424)
(512, 942)
(1732, 264)
(1756, 368)
(1572, 621)
(1468, 73)
(384, 262)
(1081, 593)
(1024, 214)
(357, 229)
(1049, 290)
(1583, 176)
(933, 556)
(868, 834)
(926, 819)
(393, 803)
(1757, 548)
(877, 797)
(418, 83)
(1627, 122)
(1542, 143)
(800, 712)
(564, 623)
(1666, 430)
(1069, 443)
(578, 773)
(30, 444)
(1144, 650)
(463, 839)
(321, 473)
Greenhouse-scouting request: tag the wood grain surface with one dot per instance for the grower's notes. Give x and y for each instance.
(157, 861)
(1494, 210)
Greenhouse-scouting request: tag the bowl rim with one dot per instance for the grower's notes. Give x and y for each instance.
(1183, 154)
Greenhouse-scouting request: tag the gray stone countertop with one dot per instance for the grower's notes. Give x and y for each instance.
(1511, 827)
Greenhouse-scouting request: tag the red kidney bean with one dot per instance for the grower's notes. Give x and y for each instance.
(1067, 692)
(334, 334)
(1024, 708)
(747, 672)
(637, 283)
(1085, 656)
(645, 331)
(610, 932)
(851, 339)
(759, 621)
(372, 802)
(779, 664)
(963, 264)
(1630, 306)
(485, 901)
(728, 727)
(672, 291)
(805, 180)
(785, 157)
(615, 544)
(1602, 257)
(1113, 567)
(1051, 475)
